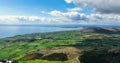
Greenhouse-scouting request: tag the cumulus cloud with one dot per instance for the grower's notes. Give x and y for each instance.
(33, 20)
(109, 14)
(69, 1)
(101, 19)
(102, 6)
(74, 9)
(63, 18)
(24, 20)
(107, 11)
(82, 18)
(73, 15)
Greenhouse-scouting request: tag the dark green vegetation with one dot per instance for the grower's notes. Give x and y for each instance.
(85, 45)
(101, 56)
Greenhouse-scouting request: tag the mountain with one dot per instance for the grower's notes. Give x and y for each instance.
(75, 46)
(102, 30)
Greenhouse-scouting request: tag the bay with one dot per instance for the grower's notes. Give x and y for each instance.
(9, 31)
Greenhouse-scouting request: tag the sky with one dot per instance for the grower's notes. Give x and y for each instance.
(85, 12)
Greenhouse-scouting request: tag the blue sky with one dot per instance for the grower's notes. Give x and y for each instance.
(87, 12)
(31, 7)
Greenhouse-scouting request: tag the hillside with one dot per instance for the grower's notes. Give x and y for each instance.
(64, 47)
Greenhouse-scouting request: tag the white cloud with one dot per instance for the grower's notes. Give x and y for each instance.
(102, 6)
(68, 1)
(24, 20)
(32, 20)
(74, 9)
(76, 17)
(109, 14)
(63, 17)
(107, 11)
(73, 15)
(55, 13)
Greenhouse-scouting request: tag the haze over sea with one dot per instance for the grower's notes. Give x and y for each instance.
(8, 31)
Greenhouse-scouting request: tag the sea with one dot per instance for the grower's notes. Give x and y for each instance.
(9, 31)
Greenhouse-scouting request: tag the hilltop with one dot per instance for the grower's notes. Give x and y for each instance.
(64, 46)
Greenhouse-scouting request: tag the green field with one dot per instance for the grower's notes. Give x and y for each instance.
(15, 48)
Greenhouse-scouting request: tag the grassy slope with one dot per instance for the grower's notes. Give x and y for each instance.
(18, 46)
(15, 50)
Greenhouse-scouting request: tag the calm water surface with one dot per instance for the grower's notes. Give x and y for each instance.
(8, 31)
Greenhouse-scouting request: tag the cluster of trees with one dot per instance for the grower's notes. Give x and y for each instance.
(101, 56)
